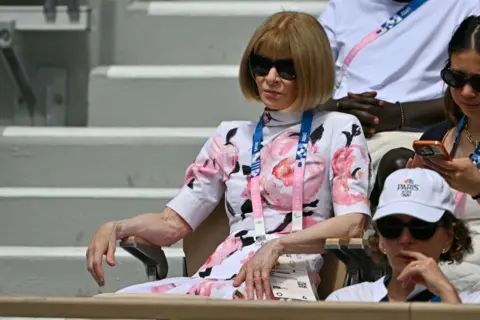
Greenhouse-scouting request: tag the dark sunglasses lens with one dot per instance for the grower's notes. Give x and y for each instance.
(390, 228)
(475, 82)
(259, 65)
(286, 69)
(421, 230)
(454, 78)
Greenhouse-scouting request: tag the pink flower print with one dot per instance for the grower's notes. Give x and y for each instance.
(225, 153)
(199, 171)
(248, 257)
(278, 165)
(205, 287)
(345, 169)
(163, 288)
(230, 245)
(315, 278)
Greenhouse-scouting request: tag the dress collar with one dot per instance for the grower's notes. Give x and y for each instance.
(278, 118)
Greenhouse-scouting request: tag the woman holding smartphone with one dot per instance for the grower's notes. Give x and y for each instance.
(460, 136)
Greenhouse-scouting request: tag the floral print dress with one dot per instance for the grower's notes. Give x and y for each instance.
(336, 182)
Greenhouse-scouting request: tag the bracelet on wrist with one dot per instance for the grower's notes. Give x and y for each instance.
(402, 114)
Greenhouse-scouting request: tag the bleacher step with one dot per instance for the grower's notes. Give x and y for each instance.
(98, 157)
(62, 271)
(193, 96)
(70, 216)
(195, 32)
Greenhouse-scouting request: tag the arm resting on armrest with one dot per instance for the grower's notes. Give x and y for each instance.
(151, 255)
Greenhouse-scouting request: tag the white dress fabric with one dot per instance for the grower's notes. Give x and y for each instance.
(337, 181)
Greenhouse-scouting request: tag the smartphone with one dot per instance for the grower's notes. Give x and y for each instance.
(431, 149)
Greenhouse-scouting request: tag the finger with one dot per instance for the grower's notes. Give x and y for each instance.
(413, 254)
(409, 164)
(257, 281)
(111, 251)
(365, 118)
(433, 166)
(267, 289)
(371, 94)
(352, 106)
(249, 285)
(445, 165)
(240, 277)
(97, 266)
(368, 131)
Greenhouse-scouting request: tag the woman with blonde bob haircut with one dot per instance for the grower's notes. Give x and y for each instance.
(291, 180)
(294, 35)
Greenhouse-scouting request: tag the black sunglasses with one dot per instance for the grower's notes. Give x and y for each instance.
(260, 66)
(457, 79)
(392, 228)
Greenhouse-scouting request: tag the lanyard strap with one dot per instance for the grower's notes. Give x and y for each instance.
(298, 174)
(388, 25)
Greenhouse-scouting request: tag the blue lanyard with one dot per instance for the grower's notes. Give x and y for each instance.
(301, 147)
(475, 156)
(299, 171)
(403, 14)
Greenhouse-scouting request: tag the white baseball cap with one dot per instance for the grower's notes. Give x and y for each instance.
(420, 193)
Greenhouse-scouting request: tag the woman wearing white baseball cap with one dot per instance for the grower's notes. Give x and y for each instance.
(416, 230)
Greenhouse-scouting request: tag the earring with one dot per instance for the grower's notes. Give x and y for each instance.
(384, 251)
(444, 250)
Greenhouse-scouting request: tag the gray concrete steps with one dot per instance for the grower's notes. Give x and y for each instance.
(174, 96)
(194, 32)
(70, 216)
(98, 157)
(62, 271)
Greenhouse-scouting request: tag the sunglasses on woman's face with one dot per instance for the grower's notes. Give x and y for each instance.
(457, 79)
(260, 66)
(392, 228)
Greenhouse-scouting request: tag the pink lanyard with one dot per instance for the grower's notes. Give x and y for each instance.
(388, 25)
(298, 174)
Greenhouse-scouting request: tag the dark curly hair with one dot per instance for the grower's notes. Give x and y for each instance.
(461, 245)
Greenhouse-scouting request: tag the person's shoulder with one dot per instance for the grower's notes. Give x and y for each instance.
(437, 131)
(336, 120)
(361, 292)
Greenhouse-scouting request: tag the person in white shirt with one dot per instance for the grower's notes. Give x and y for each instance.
(391, 79)
(415, 230)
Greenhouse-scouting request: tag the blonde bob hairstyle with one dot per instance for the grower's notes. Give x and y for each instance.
(300, 37)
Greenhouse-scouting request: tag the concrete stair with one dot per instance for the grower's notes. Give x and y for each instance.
(194, 32)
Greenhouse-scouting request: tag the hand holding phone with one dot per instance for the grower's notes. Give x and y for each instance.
(431, 149)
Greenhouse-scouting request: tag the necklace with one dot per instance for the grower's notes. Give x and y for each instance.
(474, 143)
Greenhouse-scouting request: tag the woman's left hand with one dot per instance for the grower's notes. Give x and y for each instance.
(256, 272)
(461, 174)
(425, 271)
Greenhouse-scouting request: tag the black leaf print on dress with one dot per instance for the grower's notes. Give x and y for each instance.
(350, 135)
(354, 173)
(231, 133)
(205, 273)
(236, 169)
(317, 134)
(287, 220)
(190, 183)
(231, 278)
(246, 208)
(230, 209)
(311, 204)
(294, 134)
(246, 170)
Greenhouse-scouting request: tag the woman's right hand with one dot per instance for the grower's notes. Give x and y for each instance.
(416, 162)
(103, 243)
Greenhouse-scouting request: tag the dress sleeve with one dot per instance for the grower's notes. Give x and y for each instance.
(350, 172)
(204, 183)
(327, 20)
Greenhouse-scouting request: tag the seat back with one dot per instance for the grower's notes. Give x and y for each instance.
(201, 243)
